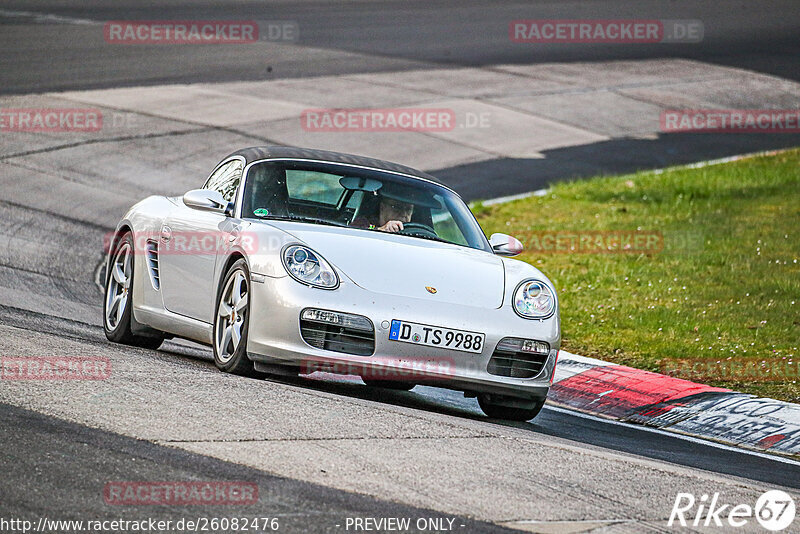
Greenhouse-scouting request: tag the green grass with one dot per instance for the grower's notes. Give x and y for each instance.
(725, 286)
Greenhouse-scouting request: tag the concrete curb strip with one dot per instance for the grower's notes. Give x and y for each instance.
(632, 395)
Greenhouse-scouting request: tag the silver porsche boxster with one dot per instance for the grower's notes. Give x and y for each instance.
(294, 261)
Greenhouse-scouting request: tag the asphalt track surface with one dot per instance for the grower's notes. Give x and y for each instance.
(373, 36)
(551, 422)
(73, 463)
(168, 415)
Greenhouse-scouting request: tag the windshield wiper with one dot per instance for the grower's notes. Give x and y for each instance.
(298, 218)
(313, 220)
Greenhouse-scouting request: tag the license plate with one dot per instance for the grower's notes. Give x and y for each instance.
(436, 336)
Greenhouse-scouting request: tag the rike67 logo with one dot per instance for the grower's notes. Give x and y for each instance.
(774, 511)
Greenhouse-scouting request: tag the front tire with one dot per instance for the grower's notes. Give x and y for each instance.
(499, 407)
(231, 322)
(118, 300)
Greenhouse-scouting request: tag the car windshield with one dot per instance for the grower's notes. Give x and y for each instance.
(369, 199)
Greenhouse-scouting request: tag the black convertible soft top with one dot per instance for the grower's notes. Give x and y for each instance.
(264, 152)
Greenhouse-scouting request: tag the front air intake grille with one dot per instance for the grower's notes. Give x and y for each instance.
(516, 364)
(337, 338)
(152, 263)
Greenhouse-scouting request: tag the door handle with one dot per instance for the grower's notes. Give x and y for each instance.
(166, 233)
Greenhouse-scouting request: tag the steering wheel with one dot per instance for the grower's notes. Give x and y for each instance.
(415, 228)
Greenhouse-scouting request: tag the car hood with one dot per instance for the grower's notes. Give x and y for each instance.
(392, 264)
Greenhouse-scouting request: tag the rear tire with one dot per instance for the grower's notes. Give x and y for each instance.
(231, 322)
(497, 407)
(118, 298)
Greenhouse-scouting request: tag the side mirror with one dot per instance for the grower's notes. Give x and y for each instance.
(505, 245)
(206, 199)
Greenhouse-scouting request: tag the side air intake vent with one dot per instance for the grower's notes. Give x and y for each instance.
(151, 254)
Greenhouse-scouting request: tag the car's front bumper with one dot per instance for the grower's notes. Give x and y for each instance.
(274, 337)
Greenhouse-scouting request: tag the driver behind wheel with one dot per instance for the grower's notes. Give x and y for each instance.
(392, 213)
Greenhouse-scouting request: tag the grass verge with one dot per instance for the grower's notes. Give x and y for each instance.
(692, 272)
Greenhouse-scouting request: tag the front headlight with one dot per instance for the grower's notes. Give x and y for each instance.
(533, 299)
(308, 267)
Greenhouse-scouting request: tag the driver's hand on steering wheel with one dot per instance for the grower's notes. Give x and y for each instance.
(392, 226)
